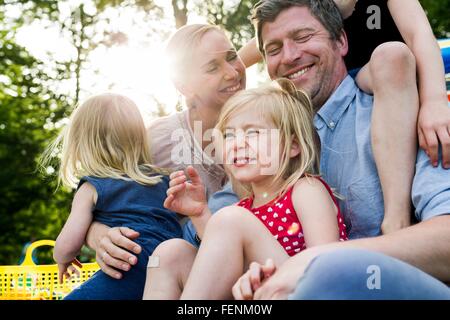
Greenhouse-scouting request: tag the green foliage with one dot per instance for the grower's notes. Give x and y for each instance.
(438, 12)
(29, 206)
(233, 18)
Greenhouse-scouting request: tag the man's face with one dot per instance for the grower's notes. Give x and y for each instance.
(298, 47)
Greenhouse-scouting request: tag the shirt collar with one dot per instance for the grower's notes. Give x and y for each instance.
(332, 111)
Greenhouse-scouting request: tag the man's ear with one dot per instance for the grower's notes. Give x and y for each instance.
(342, 44)
(295, 148)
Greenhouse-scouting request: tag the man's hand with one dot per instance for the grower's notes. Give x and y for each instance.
(252, 280)
(186, 198)
(285, 279)
(434, 129)
(113, 251)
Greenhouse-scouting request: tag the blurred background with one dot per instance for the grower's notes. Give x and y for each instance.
(56, 53)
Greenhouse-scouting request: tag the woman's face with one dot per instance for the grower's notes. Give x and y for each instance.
(216, 72)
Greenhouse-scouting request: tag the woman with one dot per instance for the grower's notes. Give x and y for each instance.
(207, 71)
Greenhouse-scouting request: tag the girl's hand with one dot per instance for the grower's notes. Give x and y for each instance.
(434, 129)
(68, 269)
(186, 198)
(251, 281)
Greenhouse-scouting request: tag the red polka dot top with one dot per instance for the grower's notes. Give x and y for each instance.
(282, 221)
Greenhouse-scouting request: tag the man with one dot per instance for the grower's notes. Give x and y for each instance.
(304, 41)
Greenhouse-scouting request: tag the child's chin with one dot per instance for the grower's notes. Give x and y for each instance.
(245, 179)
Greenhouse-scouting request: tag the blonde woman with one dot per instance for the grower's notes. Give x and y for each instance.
(269, 149)
(106, 153)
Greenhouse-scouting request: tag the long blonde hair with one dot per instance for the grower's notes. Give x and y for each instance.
(181, 48)
(291, 111)
(105, 138)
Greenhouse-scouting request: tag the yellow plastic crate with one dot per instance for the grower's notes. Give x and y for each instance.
(39, 282)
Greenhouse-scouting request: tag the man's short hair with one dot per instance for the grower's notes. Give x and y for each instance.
(325, 11)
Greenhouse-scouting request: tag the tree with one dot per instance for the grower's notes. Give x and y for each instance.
(438, 12)
(29, 110)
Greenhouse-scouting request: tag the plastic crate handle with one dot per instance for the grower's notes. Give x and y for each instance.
(28, 261)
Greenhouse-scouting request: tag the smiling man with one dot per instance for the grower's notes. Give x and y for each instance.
(304, 40)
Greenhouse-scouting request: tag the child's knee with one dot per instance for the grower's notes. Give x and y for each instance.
(391, 62)
(172, 252)
(231, 216)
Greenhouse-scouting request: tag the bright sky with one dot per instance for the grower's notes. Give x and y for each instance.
(136, 69)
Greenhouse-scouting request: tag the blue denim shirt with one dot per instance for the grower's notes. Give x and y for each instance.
(348, 165)
(220, 199)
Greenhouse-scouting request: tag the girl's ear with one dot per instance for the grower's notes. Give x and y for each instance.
(295, 148)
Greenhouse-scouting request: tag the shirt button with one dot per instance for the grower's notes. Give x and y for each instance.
(332, 124)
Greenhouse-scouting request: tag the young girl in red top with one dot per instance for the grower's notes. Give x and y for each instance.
(267, 140)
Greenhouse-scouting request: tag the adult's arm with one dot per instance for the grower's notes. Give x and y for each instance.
(424, 245)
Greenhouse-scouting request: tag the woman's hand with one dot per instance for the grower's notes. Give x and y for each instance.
(252, 280)
(186, 198)
(113, 250)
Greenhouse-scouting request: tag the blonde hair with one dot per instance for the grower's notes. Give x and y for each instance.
(291, 111)
(181, 48)
(105, 138)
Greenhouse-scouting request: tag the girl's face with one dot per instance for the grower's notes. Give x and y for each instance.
(216, 72)
(251, 148)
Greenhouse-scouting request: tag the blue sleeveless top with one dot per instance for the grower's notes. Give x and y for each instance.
(139, 207)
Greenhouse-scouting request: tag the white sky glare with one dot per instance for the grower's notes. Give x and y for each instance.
(136, 69)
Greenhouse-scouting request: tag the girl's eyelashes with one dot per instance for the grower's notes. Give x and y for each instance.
(228, 134)
(248, 133)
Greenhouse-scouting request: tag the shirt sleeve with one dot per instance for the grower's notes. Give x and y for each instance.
(431, 188)
(96, 183)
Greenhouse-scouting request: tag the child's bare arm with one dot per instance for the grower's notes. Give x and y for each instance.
(316, 211)
(346, 7)
(188, 198)
(434, 115)
(250, 54)
(73, 234)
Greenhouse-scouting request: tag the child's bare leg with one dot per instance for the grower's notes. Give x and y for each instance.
(232, 240)
(392, 74)
(166, 281)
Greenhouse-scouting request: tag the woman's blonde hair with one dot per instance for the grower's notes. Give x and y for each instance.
(291, 112)
(105, 138)
(181, 48)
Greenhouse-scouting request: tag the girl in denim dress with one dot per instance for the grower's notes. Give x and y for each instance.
(105, 152)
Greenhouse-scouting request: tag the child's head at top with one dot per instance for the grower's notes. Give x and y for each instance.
(105, 137)
(267, 136)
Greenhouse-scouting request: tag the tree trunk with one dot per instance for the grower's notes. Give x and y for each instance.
(180, 12)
